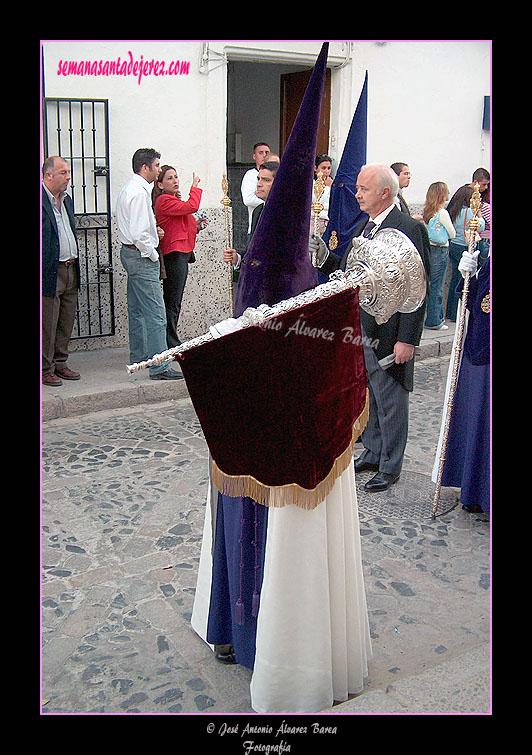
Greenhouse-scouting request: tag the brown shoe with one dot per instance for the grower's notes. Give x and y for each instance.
(50, 379)
(67, 374)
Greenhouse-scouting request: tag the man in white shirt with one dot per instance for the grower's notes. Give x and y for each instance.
(249, 183)
(137, 231)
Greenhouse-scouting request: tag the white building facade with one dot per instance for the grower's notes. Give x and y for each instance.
(203, 104)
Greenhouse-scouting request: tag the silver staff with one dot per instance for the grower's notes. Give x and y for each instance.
(474, 224)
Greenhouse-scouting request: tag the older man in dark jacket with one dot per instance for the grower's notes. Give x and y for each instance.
(60, 272)
(385, 436)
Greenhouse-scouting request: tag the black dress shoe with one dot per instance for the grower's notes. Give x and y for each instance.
(381, 481)
(224, 653)
(362, 466)
(167, 375)
(473, 509)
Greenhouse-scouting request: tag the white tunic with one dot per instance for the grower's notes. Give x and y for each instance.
(313, 641)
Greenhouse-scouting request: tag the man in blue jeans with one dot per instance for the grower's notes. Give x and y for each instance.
(137, 232)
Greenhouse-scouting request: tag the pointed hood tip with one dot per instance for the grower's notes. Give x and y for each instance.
(279, 248)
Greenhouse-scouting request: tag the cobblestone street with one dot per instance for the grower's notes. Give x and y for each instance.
(123, 497)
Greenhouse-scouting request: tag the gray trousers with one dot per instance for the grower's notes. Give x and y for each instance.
(385, 436)
(58, 317)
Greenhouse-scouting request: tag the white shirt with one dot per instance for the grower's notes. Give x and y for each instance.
(378, 219)
(248, 188)
(68, 248)
(135, 219)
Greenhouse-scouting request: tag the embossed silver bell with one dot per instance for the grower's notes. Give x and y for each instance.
(389, 273)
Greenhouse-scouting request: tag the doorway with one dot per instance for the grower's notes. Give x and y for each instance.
(293, 87)
(262, 103)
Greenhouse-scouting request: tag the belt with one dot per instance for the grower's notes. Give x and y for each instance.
(69, 262)
(130, 246)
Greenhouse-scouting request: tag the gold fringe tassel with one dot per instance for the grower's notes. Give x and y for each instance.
(245, 486)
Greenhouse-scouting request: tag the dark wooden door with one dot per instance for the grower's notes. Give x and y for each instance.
(293, 87)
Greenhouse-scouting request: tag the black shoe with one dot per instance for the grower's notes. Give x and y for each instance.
(167, 375)
(224, 653)
(381, 481)
(362, 466)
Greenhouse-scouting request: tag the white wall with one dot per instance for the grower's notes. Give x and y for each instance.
(181, 116)
(425, 106)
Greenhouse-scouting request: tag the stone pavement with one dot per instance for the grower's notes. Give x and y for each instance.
(124, 477)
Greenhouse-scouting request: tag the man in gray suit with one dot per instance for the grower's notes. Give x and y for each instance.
(386, 433)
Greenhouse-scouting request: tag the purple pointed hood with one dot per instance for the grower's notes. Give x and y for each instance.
(277, 264)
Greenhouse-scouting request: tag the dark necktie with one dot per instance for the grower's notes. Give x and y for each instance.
(370, 225)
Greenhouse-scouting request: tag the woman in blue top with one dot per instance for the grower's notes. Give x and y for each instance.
(460, 213)
(437, 198)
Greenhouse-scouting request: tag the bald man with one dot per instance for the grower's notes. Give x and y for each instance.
(386, 433)
(60, 272)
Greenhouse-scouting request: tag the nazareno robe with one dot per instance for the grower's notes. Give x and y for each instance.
(467, 458)
(280, 571)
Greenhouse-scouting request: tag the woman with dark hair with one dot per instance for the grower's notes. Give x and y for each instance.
(180, 227)
(460, 214)
(440, 230)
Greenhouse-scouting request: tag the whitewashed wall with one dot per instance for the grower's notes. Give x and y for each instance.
(184, 118)
(425, 108)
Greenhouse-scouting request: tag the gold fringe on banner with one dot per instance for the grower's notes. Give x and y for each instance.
(246, 486)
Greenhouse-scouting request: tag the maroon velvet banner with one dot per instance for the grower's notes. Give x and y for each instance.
(278, 402)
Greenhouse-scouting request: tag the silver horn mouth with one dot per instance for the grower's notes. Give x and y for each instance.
(391, 274)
